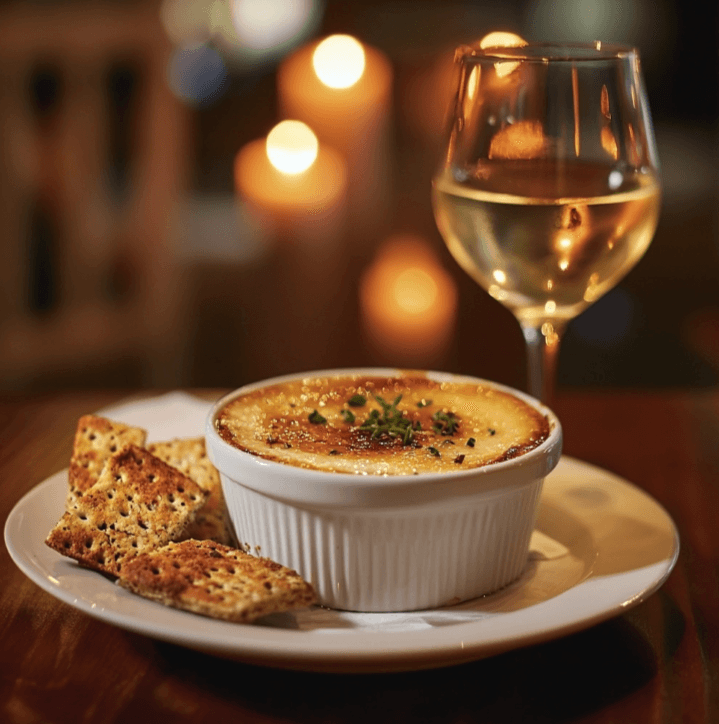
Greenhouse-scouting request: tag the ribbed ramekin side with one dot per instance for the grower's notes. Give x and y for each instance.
(405, 559)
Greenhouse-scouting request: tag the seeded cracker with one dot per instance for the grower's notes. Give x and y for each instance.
(96, 439)
(189, 456)
(139, 503)
(214, 580)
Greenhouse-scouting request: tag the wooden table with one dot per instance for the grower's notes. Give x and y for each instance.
(658, 662)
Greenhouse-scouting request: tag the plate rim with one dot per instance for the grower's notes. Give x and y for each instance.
(373, 651)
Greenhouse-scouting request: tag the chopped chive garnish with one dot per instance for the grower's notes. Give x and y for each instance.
(316, 419)
(390, 422)
(445, 423)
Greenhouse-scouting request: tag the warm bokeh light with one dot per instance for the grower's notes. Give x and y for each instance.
(408, 301)
(609, 141)
(571, 236)
(292, 147)
(501, 39)
(521, 140)
(339, 61)
(473, 83)
(415, 290)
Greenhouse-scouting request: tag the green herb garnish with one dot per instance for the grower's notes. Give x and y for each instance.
(433, 451)
(424, 403)
(390, 422)
(470, 442)
(445, 423)
(316, 419)
(491, 431)
(357, 401)
(348, 416)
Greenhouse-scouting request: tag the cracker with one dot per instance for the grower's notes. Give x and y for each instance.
(138, 503)
(96, 439)
(189, 456)
(214, 580)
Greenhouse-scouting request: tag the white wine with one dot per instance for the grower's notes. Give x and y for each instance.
(545, 238)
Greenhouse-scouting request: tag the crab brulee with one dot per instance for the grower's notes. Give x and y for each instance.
(386, 489)
(405, 424)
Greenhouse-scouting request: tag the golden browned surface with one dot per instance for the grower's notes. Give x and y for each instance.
(312, 423)
(96, 439)
(215, 580)
(138, 503)
(189, 456)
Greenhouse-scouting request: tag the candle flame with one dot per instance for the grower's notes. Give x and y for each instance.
(502, 39)
(292, 147)
(339, 61)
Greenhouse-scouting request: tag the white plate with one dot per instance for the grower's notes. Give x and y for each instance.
(601, 546)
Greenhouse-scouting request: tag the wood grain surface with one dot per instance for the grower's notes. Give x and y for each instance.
(658, 662)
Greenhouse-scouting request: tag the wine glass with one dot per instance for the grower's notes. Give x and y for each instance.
(548, 192)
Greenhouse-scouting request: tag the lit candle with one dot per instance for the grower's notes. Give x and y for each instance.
(342, 89)
(408, 303)
(297, 187)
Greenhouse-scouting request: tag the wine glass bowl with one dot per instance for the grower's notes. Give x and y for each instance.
(548, 192)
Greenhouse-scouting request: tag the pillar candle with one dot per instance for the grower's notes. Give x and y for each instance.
(355, 119)
(308, 206)
(304, 214)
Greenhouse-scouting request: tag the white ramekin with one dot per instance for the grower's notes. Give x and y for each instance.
(388, 543)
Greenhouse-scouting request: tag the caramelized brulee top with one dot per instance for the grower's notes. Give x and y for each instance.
(401, 425)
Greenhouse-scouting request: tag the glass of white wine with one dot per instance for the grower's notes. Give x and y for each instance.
(548, 192)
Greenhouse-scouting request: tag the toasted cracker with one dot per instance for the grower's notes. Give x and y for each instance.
(215, 580)
(96, 439)
(189, 456)
(139, 503)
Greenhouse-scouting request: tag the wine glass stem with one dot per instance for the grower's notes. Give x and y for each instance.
(542, 352)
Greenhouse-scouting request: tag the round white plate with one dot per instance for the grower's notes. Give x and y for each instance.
(601, 545)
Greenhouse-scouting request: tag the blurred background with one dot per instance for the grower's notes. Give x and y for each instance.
(146, 242)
